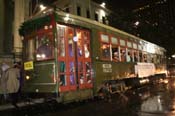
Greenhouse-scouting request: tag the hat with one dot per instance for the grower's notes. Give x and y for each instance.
(15, 64)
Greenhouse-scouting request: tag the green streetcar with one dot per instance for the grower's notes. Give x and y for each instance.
(69, 57)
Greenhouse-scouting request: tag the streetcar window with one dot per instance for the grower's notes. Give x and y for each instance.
(79, 44)
(61, 40)
(63, 80)
(72, 70)
(30, 49)
(88, 72)
(44, 48)
(115, 53)
(81, 78)
(114, 40)
(135, 58)
(150, 58)
(70, 42)
(80, 66)
(105, 51)
(105, 47)
(122, 42)
(123, 54)
(62, 67)
(154, 58)
(145, 58)
(86, 50)
(71, 67)
(105, 38)
(129, 56)
(88, 67)
(158, 59)
(129, 44)
(134, 45)
(72, 79)
(140, 56)
(86, 45)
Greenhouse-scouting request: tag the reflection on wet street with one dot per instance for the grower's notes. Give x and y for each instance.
(161, 101)
(151, 100)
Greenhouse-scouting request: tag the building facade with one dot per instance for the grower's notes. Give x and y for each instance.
(85, 8)
(14, 12)
(6, 26)
(157, 11)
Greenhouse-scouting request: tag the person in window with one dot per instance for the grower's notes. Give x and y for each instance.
(116, 56)
(128, 57)
(144, 58)
(123, 55)
(135, 57)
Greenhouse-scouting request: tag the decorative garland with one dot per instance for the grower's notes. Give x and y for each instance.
(45, 40)
(31, 25)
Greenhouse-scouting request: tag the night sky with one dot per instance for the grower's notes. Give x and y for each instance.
(163, 34)
(127, 4)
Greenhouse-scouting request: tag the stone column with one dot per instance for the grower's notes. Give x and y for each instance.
(1, 25)
(19, 13)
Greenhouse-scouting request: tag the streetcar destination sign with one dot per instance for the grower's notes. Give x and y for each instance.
(28, 65)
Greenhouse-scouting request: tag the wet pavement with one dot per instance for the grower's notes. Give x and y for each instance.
(152, 100)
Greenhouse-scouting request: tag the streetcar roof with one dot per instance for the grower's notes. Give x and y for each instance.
(90, 21)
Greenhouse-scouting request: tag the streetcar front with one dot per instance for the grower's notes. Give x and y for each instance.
(39, 59)
(57, 59)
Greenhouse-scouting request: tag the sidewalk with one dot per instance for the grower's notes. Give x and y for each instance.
(21, 104)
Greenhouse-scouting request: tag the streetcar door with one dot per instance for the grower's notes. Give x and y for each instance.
(74, 58)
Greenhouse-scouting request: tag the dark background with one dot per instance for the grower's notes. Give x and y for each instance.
(156, 22)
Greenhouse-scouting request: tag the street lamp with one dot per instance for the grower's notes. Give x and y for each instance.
(136, 23)
(39, 8)
(103, 4)
(173, 56)
(42, 7)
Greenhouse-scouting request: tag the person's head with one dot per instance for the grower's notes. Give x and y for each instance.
(17, 64)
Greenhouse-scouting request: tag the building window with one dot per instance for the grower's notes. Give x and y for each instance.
(96, 16)
(67, 10)
(32, 7)
(78, 11)
(103, 20)
(88, 13)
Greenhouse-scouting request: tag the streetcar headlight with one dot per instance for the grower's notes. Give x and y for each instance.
(27, 77)
(165, 81)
